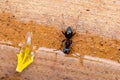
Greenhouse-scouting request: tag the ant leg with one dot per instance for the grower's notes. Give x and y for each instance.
(81, 57)
(73, 33)
(60, 45)
(63, 41)
(72, 49)
(72, 43)
(63, 33)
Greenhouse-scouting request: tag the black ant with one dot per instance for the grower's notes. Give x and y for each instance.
(67, 42)
(68, 33)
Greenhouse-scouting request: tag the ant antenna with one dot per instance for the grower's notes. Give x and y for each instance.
(77, 22)
(63, 23)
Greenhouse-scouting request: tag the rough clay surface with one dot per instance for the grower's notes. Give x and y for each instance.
(98, 36)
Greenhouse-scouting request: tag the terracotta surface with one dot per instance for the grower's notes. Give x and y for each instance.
(15, 32)
(47, 66)
(97, 36)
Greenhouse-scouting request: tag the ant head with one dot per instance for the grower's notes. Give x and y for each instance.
(68, 33)
(69, 29)
(66, 50)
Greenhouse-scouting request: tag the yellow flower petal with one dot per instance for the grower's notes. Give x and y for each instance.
(25, 58)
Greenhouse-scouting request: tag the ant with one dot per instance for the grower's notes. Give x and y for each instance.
(67, 42)
(68, 33)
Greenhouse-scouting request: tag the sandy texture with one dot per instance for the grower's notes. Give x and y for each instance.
(96, 16)
(97, 36)
(46, 65)
(14, 32)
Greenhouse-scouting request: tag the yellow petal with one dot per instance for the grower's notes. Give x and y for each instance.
(25, 58)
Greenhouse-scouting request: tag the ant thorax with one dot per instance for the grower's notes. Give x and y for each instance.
(68, 43)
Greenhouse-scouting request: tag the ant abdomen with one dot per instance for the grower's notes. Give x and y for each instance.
(66, 50)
